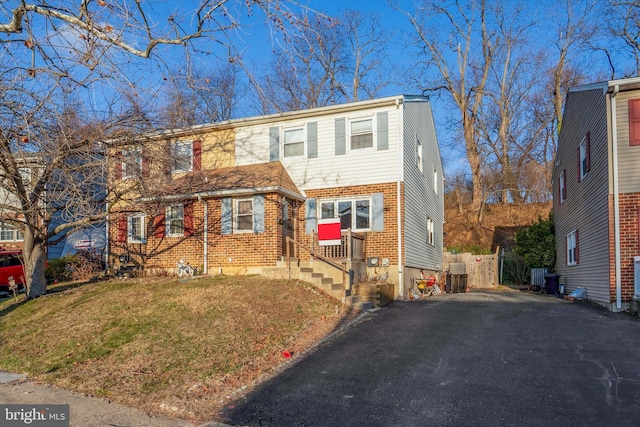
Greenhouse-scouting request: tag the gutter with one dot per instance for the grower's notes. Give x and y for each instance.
(399, 199)
(616, 197)
(222, 193)
(205, 255)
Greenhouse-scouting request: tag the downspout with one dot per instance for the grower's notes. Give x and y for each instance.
(205, 255)
(616, 196)
(106, 240)
(399, 200)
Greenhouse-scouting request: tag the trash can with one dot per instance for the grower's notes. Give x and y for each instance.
(551, 281)
(456, 283)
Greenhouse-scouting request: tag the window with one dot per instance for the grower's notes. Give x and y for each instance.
(572, 248)
(244, 215)
(174, 218)
(430, 239)
(419, 154)
(435, 180)
(584, 160)
(361, 133)
(294, 142)
(9, 233)
(562, 186)
(345, 209)
(182, 156)
(132, 163)
(136, 231)
(25, 175)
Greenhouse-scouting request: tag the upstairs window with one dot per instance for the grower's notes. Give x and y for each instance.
(182, 156)
(584, 160)
(294, 142)
(562, 186)
(634, 121)
(419, 154)
(132, 163)
(361, 133)
(435, 180)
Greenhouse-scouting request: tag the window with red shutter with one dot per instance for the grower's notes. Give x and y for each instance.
(634, 121)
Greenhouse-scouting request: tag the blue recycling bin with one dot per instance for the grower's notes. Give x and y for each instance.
(551, 281)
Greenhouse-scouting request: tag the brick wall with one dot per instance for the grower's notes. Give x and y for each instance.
(629, 244)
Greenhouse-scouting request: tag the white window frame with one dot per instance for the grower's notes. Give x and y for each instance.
(176, 146)
(435, 180)
(583, 158)
(335, 203)
(169, 218)
(303, 141)
(572, 247)
(142, 237)
(236, 215)
(430, 234)
(419, 153)
(350, 133)
(16, 235)
(563, 186)
(134, 153)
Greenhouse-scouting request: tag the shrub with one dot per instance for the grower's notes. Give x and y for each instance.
(537, 244)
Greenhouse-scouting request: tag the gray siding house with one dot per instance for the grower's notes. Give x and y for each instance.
(597, 192)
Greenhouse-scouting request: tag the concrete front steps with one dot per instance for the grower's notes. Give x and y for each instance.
(308, 272)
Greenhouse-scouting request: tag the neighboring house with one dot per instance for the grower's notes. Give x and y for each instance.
(225, 196)
(597, 192)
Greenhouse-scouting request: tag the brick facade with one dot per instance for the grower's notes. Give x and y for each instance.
(629, 244)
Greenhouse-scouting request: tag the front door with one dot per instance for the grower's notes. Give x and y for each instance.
(287, 227)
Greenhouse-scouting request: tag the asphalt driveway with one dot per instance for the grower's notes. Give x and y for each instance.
(479, 359)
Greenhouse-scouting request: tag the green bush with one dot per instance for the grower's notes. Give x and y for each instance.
(537, 244)
(57, 269)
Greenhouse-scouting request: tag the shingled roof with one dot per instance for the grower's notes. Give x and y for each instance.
(249, 179)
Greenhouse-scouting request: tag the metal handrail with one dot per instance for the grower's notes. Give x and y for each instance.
(342, 267)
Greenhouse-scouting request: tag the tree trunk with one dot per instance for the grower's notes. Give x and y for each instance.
(35, 259)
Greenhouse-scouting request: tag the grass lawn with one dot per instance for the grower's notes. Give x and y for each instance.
(171, 348)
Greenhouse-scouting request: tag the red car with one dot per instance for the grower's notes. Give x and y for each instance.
(11, 266)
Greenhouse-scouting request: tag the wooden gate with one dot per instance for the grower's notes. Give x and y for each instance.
(481, 270)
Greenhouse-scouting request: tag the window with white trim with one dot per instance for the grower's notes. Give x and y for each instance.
(132, 163)
(572, 248)
(361, 133)
(243, 220)
(136, 230)
(418, 153)
(355, 213)
(583, 159)
(562, 186)
(181, 156)
(293, 142)
(430, 236)
(174, 220)
(9, 233)
(435, 180)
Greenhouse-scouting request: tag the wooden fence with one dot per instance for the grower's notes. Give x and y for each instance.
(481, 270)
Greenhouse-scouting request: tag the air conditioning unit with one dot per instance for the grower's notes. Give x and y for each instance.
(636, 277)
(373, 262)
(457, 268)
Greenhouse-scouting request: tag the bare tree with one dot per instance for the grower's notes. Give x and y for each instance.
(54, 48)
(625, 25)
(462, 54)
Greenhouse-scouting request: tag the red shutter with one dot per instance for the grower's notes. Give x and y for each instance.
(188, 218)
(634, 121)
(158, 226)
(197, 155)
(118, 171)
(577, 248)
(122, 229)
